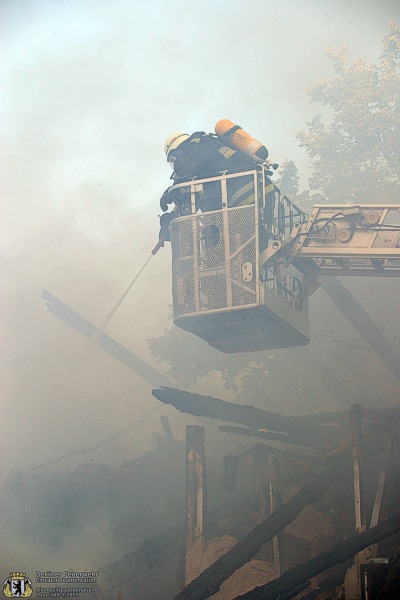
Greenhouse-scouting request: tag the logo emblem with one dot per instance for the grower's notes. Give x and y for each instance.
(17, 585)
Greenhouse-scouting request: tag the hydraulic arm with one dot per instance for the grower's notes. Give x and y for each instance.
(343, 239)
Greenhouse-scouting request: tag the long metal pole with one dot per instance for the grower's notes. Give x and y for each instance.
(116, 306)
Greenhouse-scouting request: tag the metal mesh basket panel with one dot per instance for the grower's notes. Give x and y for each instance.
(208, 252)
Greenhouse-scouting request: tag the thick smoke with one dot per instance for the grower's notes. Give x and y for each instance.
(90, 92)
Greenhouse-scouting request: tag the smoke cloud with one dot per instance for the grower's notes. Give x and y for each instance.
(90, 92)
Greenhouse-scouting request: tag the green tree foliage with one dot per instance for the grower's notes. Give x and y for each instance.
(356, 156)
(288, 181)
(189, 359)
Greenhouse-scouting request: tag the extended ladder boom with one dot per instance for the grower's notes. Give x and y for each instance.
(343, 239)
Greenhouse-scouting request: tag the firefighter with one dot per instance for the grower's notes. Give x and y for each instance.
(198, 155)
(202, 154)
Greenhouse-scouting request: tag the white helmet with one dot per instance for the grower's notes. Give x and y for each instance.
(174, 141)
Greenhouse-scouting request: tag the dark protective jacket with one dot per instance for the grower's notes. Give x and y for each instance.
(205, 154)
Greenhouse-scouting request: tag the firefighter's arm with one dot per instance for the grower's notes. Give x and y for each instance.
(166, 198)
(165, 234)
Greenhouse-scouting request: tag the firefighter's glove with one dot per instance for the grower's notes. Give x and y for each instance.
(165, 233)
(165, 200)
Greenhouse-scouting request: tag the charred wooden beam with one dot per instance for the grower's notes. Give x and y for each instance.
(358, 460)
(265, 435)
(377, 511)
(166, 427)
(307, 430)
(280, 556)
(210, 580)
(299, 430)
(284, 587)
(104, 341)
(385, 421)
(330, 381)
(152, 553)
(289, 450)
(342, 418)
(361, 320)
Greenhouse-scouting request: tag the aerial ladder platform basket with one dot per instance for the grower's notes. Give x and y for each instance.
(242, 271)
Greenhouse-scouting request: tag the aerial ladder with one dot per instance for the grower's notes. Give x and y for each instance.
(242, 275)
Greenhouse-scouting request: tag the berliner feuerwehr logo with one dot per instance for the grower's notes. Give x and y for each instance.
(17, 585)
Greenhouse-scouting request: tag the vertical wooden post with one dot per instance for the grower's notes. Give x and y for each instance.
(279, 547)
(196, 498)
(380, 490)
(166, 427)
(359, 506)
(260, 464)
(259, 459)
(358, 469)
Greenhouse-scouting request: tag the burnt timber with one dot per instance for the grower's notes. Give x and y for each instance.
(360, 319)
(310, 430)
(104, 341)
(295, 430)
(296, 579)
(210, 580)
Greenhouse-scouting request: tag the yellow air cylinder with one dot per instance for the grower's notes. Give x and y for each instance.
(241, 140)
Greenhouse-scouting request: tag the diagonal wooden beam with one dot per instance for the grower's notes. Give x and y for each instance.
(293, 581)
(360, 319)
(210, 580)
(104, 341)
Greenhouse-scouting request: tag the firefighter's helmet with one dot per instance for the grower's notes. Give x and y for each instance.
(174, 140)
